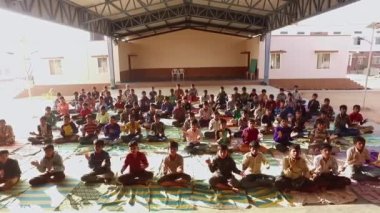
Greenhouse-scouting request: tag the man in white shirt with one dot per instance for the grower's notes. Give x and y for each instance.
(325, 172)
(252, 162)
(359, 163)
(193, 137)
(213, 127)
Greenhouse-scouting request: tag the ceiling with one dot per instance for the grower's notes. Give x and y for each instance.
(136, 19)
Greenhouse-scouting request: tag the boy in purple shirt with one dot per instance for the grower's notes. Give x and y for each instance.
(282, 136)
(112, 130)
(166, 108)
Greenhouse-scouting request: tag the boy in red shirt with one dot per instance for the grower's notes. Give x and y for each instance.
(137, 163)
(82, 114)
(357, 120)
(90, 131)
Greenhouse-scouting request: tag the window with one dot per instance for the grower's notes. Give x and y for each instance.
(275, 61)
(96, 37)
(358, 32)
(55, 66)
(319, 33)
(102, 65)
(323, 61)
(377, 40)
(283, 32)
(301, 33)
(376, 60)
(337, 33)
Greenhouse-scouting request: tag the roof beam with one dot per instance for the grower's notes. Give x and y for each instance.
(297, 10)
(59, 11)
(188, 11)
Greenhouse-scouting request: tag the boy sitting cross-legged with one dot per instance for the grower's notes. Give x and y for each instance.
(99, 162)
(68, 131)
(173, 169)
(137, 163)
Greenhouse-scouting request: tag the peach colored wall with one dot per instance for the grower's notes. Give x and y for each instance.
(300, 59)
(186, 48)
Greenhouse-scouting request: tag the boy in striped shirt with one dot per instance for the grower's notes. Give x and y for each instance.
(90, 131)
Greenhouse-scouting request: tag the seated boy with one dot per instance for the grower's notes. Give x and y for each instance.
(213, 126)
(119, 105)
(50, 117)
(205, 114)
(187, 124)
(179, 114)
(359, 163)
(249, 135)
(223, 166)
(166, 108)
(7, 136)
(102, 118)
(149, 116)
(44, 135)
(159, 99)
(132, 130)
(343, 125)
(9, 171)
(157, 131)
(187, 104)
(52, 167)
(318, 137)
(295, 173)
(252, 169)
(137, 163)
(144, 102)
(325, 171)
(112, 131)
(357, 121)
(81, 118)
(313, 106)
(298, 124)
(62, 107)
(193, 137)
(223, 135)
(242, 124)
(69, 131)
(267, 121)
(282, 136)
(90, 131)
(205, 96)
(108, 100)
(173, 169)
(152, 96)
(221, 99)
(99, 162)
(193, 93)
(326, 108)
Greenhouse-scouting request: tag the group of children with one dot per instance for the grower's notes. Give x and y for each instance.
(253, 114)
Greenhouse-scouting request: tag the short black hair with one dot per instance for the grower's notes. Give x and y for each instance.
(4, 152)
(359, 139)
(254, 144)
(99, 143)
(173, 144)
(49, 146)
(343, 107)
(133, 143)
(295, 147)
(223, 147)
(326, 146)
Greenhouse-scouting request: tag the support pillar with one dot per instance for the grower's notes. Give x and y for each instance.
(111, 62)
(267, 57)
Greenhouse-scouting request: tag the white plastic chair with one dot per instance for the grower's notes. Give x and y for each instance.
(174, 74)
(181, 72)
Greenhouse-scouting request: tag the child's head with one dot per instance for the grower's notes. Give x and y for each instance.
(284, 122)
(133, 147)
(179, 103)
(166, 99)
(359, 143)
(298, 114)
(294, 151)
(314, 96)
(48, 109)
(223, 123)
(263, 91)
(4, 156)
(253, 90)
(159, 92)
(152, 88)
(212, 96)
(191, 115)
(343, 109)
(216, 115)
(326, 101)
(178, 86)
(222, 151)
(282, 104)
(186, 91)
(75, 94)
(98, 145)
(326, 150)
(43, 120)
(251, 123)
(222, 89)
(194, 125)
(152, 107)
(85, 105)
(103, 110)
(113, 119)
(49, 150)
(2, 122)
(173, 148)
(66, 119)
(132, 91)
(268, 111)
(356, 108)
(320, 125)
(89, 119)
(245, 114)
(296, 87)
(172, 91)
(205, 91)
(244, 89)
(271, 97)
(254, 148)
(119, 98)
(61, 99)
(282, 90)
(143, 93)
(192, 86)
(59, 95)
(94, 88)
(205, 104)
(236, 90)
